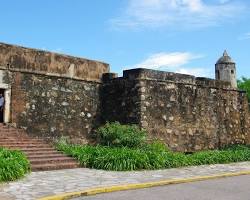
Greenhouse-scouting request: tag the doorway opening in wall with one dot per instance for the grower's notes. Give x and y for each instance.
(5, 102)
(2, 103)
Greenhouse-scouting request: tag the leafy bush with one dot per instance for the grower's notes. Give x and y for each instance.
(13, 165)
(116, 158)
(116, 135)
(124, 148)
(244, 84)
(152, 156)
(238, 153)
(157, 154)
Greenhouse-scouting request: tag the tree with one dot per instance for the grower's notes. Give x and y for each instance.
(244, 84)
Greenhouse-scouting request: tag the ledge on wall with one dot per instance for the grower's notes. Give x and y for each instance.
(141, 73)
(17, 58)
(149, 74)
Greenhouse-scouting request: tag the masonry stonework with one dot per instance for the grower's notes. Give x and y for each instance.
(15, 58)
(49, 97)
(187, 113)
(120, 101)
(55, 107)
(54, 95)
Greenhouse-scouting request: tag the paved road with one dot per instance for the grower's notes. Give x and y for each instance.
(233, 188)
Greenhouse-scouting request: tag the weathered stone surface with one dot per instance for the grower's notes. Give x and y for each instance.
(72, 110)
(120, 101)
(54, 95)
(188, 113)
(18, 58)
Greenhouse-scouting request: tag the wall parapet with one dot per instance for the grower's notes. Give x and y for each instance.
(161, 76)
(29, 60)
(141, 73)
(63, 76)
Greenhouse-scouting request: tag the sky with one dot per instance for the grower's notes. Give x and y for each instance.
(183, 36)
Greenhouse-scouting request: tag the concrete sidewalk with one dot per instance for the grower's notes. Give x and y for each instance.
(41, 184)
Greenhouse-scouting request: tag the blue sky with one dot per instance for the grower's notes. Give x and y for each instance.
(186, 36)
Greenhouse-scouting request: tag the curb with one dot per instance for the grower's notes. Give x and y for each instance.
(107, 189)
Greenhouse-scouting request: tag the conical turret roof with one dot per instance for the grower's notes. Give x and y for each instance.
(225, 59)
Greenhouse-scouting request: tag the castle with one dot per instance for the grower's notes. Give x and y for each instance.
(52, 95)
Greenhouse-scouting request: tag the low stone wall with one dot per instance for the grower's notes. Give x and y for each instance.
(187, 113)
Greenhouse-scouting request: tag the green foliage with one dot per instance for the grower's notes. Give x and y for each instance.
(124, 148)
(234, 154)
(13, 165)
(244, 84)
(107, 158)
(152, 156)
(116, 135)
(156, 153)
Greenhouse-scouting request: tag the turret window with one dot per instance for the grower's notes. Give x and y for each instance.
(232, 71)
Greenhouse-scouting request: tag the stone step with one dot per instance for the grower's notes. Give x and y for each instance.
(47, 167)
(12, 142)
(56, 160)
(21, 140)
(47, 155)
(13, 137)
(11, 133)
(10, 129)
(34, 149)
(27, 145)
(40, 153)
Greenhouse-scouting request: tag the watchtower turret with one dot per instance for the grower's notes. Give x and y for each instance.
(225, 70)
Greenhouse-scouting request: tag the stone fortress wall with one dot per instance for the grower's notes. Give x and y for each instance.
(186, 112)
(53, 95)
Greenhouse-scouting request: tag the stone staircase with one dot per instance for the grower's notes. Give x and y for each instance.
(41, 155)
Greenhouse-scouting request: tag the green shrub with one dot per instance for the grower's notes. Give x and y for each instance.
(157, 154)
(244, 84)
(116, 135)
(156, 146)
(235, 153)
(237, 147)
(115, 158)
(13, 165)
(151, 156)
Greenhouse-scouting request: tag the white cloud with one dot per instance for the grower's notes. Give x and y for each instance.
(172, 62)
(176, 13)
(162, 60)
(198, 72)
(246, 36)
